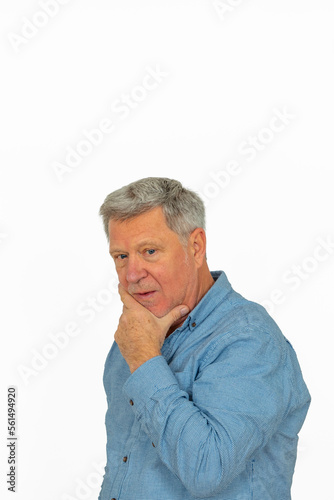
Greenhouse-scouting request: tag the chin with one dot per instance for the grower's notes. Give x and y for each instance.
(159, 312)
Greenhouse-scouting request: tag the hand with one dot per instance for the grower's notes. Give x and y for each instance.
(140, 335)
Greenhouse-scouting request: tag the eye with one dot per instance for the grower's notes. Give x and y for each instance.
(121, 256)
(151, 251)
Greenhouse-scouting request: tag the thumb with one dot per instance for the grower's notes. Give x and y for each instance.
(176, 314)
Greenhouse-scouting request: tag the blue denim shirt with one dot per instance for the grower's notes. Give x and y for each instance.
(215, 416)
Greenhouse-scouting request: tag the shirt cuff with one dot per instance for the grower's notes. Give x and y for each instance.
(152, 376)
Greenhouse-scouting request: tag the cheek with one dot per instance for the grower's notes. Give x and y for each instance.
(165, 278)
(174, 278)
(172, 290)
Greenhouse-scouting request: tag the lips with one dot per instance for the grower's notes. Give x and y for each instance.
(145, 295)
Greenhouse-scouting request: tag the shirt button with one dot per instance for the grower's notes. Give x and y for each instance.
(131, 402)
(153, 445)
(193, 324)
(125, 459)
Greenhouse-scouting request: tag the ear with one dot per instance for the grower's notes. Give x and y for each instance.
(197, 243)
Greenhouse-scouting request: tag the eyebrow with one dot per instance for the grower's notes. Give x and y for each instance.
(145, 243)
(115, 251)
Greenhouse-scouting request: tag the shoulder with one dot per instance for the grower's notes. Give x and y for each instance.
(246, 329)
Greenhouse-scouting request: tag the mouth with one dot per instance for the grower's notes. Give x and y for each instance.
(144, 295)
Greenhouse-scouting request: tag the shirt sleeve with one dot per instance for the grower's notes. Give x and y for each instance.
(239, 397)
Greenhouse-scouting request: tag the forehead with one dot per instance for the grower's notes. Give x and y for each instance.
(150, 226)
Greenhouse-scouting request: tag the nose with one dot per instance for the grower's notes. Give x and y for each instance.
(135, 269)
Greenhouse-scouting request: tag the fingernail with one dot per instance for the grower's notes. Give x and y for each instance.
(184, 310)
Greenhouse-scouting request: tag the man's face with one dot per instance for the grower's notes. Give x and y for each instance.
(151, 263)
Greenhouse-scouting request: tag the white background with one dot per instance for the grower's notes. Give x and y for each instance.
(226, 73)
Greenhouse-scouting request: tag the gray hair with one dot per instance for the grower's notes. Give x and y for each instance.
(183, 209)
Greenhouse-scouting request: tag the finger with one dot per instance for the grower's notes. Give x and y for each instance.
(126, 298)
(123, 293)
(177, 313)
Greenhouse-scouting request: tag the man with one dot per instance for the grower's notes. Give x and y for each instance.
(205, 395)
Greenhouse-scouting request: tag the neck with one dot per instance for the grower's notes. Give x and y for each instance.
(205, 282)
